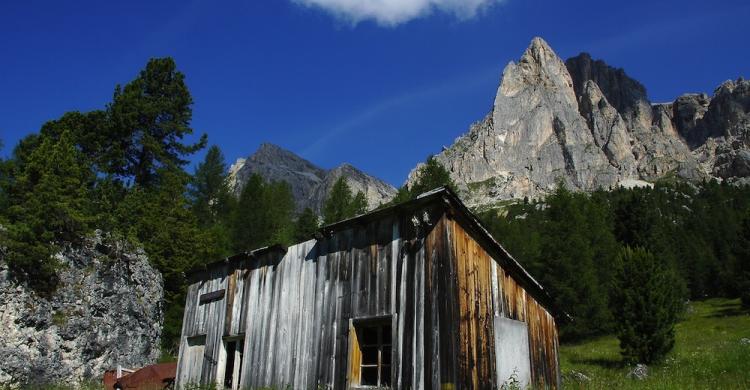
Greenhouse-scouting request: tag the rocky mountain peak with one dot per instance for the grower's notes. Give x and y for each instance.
(624, 93)
(539, 66)
(280, 158)
(591, 126)
(310, 184)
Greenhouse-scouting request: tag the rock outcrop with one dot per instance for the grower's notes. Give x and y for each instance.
(590, 126)
(310, 184)
(106, 311)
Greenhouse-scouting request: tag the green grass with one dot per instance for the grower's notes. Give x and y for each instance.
(707, 354)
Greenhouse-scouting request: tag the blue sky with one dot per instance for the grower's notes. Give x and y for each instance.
(380, 87)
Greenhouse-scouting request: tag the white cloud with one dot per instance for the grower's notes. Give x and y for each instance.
(394, 12)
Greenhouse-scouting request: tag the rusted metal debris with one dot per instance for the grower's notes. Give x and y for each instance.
(153, 377)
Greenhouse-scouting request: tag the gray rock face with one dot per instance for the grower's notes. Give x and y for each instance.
(535, 136)
(610, 131)
(591, 126)
(376, 191)
(274, 163)
(728, 113)
(106, 311)
(626, 95)
(310, 184)
(689, 110)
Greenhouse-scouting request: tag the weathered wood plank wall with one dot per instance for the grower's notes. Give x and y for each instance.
(487, 290)
(476, 337)
(294, 310)
(437, 284)
(204, 319)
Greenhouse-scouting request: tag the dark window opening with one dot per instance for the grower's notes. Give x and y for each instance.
(374, 339)
(233, 367)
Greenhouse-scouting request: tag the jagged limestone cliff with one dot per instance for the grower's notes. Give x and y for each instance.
(591, 126)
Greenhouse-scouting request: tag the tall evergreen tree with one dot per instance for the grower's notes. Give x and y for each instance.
(742, 271)
(158, 217)
(209, 189)
(263, 215)
(278, 204)
(340, 203)
(149, 117)
(358, 205)
(89, 132)
(248, 221)
(306, 225)
(4, 184)
(430, 176)
(569, 259)
(646, 302)
(49, 204)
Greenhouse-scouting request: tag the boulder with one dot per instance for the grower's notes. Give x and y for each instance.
(639, 372)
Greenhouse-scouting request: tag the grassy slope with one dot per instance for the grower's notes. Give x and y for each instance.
(707, 354)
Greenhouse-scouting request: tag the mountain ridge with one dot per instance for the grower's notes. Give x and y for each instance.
(590, 125)
(310, 184)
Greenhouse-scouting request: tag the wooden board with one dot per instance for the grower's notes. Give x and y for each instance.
(439, 287)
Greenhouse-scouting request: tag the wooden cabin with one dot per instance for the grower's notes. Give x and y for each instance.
(414, 296)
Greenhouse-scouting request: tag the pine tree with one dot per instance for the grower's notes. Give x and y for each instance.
(263, 215)
(89, 132)
(645, 301)
(278, 204)
(358, 205)
(158, 217)
(248, 221)
(49, 204)
(403, 195)
(149, 118)
(209, 190)
(306, 225)
(4, 183)
(340, 203)
(742, 270)
(336, 207)
(431, 175)
(569, 259)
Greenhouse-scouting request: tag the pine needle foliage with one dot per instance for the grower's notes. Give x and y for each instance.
(49, 205)
(646, 300)
(341, 204)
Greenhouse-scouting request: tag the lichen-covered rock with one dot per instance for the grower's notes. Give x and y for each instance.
(106, 311)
